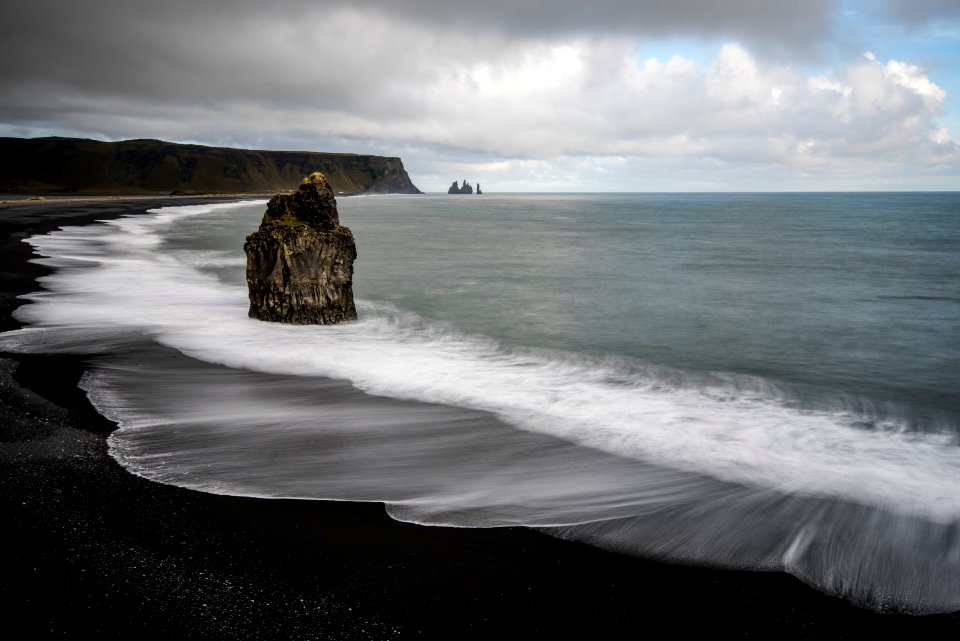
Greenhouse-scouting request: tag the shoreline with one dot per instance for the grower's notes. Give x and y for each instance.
(174, 199)
(51, 199)
(95, 549)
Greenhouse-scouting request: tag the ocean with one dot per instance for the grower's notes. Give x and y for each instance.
(758, 381)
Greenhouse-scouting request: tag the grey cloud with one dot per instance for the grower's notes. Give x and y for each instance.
(227, 50)
(221, 52)
(196, 56)
(914, 12)
(764, 23)
(777, 24)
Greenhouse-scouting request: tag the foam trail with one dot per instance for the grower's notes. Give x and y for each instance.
(735, 436)
(239, 432)
(717, 469)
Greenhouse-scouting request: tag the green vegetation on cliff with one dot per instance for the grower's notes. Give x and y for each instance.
(80, 166)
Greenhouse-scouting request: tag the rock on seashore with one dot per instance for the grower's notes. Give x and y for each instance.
(300, 261)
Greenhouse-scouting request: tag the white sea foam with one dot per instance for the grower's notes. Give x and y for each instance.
(127, 284)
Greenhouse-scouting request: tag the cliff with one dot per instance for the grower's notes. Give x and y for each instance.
(150, 167)
(300, 261)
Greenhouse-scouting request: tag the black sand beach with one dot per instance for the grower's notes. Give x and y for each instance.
(93, 550)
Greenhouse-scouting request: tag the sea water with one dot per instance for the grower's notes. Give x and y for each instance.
(763, 381)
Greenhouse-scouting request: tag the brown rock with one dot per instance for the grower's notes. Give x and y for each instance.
(300, 261)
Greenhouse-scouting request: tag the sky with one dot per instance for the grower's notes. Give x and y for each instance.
(518, 95)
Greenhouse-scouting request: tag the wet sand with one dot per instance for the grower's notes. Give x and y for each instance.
(93, 550)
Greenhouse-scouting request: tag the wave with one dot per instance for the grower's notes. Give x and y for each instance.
(709, 467)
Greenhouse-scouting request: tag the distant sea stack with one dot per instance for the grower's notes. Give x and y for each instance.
(466, 188)
(300, 261)
(154, 167)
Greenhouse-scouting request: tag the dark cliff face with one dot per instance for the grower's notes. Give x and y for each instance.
(300, 261)
(73, 165)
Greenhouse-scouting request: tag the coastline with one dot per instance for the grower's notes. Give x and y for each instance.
(171, 199)
(15, 200)
(94, 549)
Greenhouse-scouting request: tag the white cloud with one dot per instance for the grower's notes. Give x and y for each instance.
(589, 98)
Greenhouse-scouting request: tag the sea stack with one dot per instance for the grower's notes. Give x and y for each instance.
(300, 261)
(466, 188)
